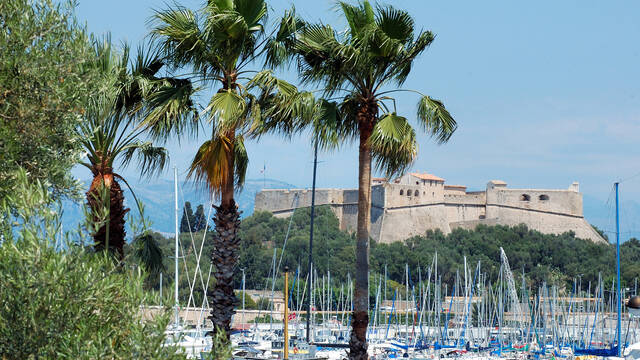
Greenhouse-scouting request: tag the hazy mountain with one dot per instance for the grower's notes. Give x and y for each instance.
(603, 215)
(158, 198)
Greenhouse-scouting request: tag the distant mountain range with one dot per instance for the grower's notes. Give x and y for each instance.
(158, 198)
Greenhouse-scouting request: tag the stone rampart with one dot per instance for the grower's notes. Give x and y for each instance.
(282, 203)
(415, 203)
(400, 223)
(553, 201)
(545, 222)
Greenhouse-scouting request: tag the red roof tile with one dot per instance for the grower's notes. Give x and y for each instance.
(426, 176)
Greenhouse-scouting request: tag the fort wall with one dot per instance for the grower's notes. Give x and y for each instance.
(401, 223)
(545, 222)
(282, 203)
(415, 203)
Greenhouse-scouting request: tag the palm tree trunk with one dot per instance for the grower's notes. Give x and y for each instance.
(225, 253)
(116, 231)
(358, 340)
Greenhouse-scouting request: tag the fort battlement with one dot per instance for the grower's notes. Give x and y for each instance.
(417, 202)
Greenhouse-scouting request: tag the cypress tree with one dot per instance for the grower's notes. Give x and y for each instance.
(200, 221)
(187, 218)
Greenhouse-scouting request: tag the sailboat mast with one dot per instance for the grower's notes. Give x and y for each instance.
(175, 189)
(313, 203)
(618, 270)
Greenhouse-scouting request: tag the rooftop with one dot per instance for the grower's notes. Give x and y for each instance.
(498, 182)
(455, 187)
(426, 176)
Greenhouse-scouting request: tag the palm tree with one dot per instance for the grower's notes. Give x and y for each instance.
(361, 67)
(110, 137)
(217, 45)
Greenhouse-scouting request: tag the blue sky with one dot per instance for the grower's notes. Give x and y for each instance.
(545, 93)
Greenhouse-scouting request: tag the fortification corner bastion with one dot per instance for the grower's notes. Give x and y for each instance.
(417, 202)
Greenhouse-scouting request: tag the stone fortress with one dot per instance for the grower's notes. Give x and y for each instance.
(416, 202)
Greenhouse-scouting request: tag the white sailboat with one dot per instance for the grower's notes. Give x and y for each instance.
(191, 341)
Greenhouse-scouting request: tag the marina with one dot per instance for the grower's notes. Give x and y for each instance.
(319, 180)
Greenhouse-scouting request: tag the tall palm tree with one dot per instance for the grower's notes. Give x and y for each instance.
(110, 137)
(360, 68)
(218, 45)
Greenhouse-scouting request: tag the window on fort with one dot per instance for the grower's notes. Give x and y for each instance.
(417, 182)
(543, 197)
(416, 193)
(525, 197)
(409, 192)
(401, 192)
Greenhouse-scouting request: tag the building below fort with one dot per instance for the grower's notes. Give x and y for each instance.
(414, 203)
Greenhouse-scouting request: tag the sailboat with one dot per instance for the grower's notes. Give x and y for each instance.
(191, 341)
(616, 348)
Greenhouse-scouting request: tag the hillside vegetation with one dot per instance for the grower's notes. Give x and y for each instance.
(554, 259)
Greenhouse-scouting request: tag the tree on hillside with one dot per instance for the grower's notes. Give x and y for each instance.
(216, 46)
(362, 66)
(199, 219)
(188, 219)
(44, 88)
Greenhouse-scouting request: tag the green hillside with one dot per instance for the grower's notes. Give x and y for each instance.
(557, 259)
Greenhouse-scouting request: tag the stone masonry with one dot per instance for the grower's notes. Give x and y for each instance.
(416, 202)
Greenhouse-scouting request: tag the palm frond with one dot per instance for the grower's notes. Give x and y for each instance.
(170, 109)
(227, 26)
(324, 59)
(149, 253)
(148, 61)
(267, 82)
(393, 144)
(226, 110)
(254, 13)
(151, 159)
(395, 23)
(210, 165)
(284, 110)
(328, 128)
(348, 122)
(357, 16)
(136, 84)
(405, 59)
(279, 48)
(435, 119)
(222, 5)
(179, 36)
(241, 162)
(232, 29)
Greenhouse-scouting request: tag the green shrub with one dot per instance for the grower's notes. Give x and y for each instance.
(62, 301)
(249, 304)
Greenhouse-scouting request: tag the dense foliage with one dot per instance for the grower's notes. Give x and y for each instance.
(260, 233)
(59, 300)
(557, 259)
(44, 86)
